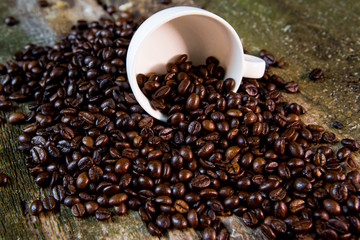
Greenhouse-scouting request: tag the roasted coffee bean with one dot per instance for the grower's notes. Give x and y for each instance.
(163, 221)
(332, 207)
(277, 194)
(120, 209)
(292, 87)
(118, 199)
(59, 193)
(351, 144)
(209, 233)
(49, 203)
(10, 21)
(91, 207)
(192, 218)
(338, 192)
(302, 226)
(36, 208)
(71, 200)
(250, 219)
(267, 231)
(296, 205)
(102, 214)
(200, 181)
(343, 153)
(16, 117)
(192, 102)
(39, 155)
(302, 185)
(315, 74)
(153, 229)
(78, 210)
(82, 180)
(179, 221)
(43, 3)
(4, 179)
(353, 203)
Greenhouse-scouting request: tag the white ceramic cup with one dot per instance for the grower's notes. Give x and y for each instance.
(192, 31)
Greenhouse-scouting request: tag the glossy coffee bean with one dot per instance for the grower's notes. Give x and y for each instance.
(36, 208)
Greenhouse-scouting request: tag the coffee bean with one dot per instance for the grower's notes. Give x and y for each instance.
(102, 214)
(71, 200)
(43, 3)
(353, 203)
(315, 74)
(250, 219)
(200, 181)
(267, 231)
(78, 210)
(206, 150)
(118, 199)
(4, 179)
(49, 203)
(10, 21)
(296, 205)
(192, 218)
(120, 209)
(351, 144)
(183, 86)
(153, 229)
(338, 125)
(254, 199)
(292, 87)
(166, 2)
(36, 208)
(338, 225)
(178, 221)
(59, 193)
(16, 117)
(332, 207)
(122, 166)
(343, 153)
(82, 180)
(209, 233)
(338, 192)
(277, 194)
(328, 137)
(91, 207)
(302, 185)
(39, 155)
(163, 221)
(192, 102)
(181, 206)
(296, 150)
(233, 168)
(302, 226)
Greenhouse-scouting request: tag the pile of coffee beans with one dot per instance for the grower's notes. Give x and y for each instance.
(246, 153)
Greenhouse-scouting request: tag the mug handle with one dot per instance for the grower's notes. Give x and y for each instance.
(254, 67)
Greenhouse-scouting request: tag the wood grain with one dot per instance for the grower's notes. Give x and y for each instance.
(307, 33)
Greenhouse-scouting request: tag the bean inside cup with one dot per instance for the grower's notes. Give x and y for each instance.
(189, 88)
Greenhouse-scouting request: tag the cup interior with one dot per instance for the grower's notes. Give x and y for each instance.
(197, 33)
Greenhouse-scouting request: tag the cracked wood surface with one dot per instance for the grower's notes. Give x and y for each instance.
(306, 33)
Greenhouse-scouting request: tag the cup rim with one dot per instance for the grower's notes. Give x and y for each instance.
(148, 27)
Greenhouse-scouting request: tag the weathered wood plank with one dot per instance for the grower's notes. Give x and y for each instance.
(307, 33)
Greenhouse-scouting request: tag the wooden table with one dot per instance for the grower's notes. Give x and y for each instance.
(307, 33)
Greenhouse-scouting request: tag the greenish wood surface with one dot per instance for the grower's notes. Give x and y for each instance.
(306, 33)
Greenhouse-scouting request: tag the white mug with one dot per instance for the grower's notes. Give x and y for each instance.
(192, 31)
